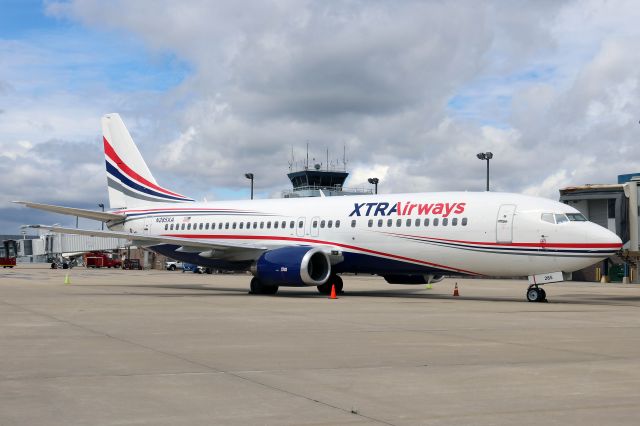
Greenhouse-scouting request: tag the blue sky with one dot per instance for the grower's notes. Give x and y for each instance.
(79, 57)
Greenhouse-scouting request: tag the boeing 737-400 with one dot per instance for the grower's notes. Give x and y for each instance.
(414, 238)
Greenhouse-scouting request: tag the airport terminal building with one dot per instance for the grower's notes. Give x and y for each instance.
(615, 207)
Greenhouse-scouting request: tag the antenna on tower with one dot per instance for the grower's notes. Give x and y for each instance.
(292, 162)
(344, 157)
(306, 167)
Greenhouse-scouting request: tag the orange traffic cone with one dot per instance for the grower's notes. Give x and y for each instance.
(333, 292)
(455, 291)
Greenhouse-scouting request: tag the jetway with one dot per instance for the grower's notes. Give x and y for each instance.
(50, 245)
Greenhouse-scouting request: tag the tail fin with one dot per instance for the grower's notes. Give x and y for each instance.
(130, 182)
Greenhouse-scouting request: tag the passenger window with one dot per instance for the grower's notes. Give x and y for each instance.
(220, 225)
(206, 226)
(547, 217)
(417, 222)
(261, 225)
(300, 224)
(337, 224)
(269, 225)
(445, 221)
(454, 221)
(283, 224)
(408, 222)
(248, 225)
(560, 218)
(182, 227)
(241, 225)
(188, 226)
(322, 224)
(200, 227)
(379, 223)
(435, 221)
(226, 225)
(234, 225)
(426, 221)
(315, 223)
(370, 223)
(464, 221)
(255, 225)
(166, 226)
(399, 223)
(292, 224)
(353, 223)
(275, 225)
(389, 223)
(330, 224)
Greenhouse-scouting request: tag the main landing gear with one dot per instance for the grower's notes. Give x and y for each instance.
(536, 294)
(258, 287)
(326, 287)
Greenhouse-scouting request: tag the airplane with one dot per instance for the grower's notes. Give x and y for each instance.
(412, 238)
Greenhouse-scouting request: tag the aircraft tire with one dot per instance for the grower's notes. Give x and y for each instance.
(543, 295)
(533, 294)
(257, 287)
(325, 288)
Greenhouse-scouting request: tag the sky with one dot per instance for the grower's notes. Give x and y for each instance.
(411, 90)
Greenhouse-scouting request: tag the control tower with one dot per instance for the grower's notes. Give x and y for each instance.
(310, 181)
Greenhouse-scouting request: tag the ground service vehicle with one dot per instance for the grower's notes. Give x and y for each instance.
(98, 259)
(8, 253)
(172, 265)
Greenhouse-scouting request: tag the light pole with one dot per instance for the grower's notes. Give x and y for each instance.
(101, 205)
(250, 177)
(374, 181)
(486, 156)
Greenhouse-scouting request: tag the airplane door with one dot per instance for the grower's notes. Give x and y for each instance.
(147, 226)
(314, 226)
(504, 226)
(300, 226)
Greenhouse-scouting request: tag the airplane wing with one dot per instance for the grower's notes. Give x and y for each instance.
(218, 249)
(71, 211)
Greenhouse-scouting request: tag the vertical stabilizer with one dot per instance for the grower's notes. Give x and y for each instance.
(129, 180)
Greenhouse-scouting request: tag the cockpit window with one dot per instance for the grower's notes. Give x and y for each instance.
(547, 217)
(560, 218)
(576, 217)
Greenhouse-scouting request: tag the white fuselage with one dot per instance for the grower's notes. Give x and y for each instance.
(498, 234)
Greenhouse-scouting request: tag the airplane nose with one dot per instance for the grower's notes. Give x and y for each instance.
(604, 236)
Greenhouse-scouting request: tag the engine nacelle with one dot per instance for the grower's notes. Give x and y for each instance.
(413, 278)
(293, 266)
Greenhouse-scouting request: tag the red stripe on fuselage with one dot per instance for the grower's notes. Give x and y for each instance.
(111, 153)
(540, 245)
(307, 240)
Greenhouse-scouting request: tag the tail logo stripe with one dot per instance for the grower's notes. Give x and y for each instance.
(133, 179)
(117, 175)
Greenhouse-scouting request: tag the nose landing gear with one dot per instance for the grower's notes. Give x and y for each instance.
(536, 294)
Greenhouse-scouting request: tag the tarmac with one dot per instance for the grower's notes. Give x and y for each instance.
(168, 348)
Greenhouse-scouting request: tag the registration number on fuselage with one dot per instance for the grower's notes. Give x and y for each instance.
(165, 219)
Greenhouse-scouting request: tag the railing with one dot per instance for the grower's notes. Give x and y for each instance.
(329, 190)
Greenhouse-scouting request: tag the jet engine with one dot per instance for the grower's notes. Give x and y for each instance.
(293, 266)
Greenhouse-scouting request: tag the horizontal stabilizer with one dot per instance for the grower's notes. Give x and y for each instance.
(71, 211)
